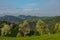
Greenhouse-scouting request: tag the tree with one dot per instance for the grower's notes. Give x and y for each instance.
(57, 28)
(24, 28)
(41, 27)
(6, 29)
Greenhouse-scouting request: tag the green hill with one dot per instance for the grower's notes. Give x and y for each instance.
(46, 37)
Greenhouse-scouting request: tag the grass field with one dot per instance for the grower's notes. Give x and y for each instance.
(46, 37)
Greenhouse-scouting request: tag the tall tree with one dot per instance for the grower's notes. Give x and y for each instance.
(57, 27)
(41, 27)
(24, 28)
(5, 29)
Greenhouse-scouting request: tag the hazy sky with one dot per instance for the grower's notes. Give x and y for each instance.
(30, 7)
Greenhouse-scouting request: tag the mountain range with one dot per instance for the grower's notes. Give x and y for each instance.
(10, 18)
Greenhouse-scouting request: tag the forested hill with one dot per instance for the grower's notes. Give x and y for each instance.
(31, 25)
(10, 18)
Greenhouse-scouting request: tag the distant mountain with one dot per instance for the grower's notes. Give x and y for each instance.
(27, 17)
(10, 18)
(14, 19)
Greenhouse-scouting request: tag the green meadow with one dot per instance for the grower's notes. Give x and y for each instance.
(45, 37)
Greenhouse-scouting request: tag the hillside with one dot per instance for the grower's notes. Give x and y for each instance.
(10, 18)
(46, 37)
(22, 17)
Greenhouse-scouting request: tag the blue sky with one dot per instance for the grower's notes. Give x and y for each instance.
(30, 7)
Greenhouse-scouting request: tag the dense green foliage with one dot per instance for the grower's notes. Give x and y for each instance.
(39, 28)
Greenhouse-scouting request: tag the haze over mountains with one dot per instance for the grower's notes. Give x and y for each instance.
(10, 18)
(30, 7)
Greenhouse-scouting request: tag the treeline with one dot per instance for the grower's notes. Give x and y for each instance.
(30, 27)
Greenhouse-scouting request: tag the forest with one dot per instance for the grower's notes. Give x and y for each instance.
(31, 26)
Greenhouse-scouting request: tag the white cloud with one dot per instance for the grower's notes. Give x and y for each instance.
(52, 9)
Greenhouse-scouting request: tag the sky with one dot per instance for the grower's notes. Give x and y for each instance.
(30, 7)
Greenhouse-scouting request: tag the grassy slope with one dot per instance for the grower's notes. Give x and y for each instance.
(48, 37)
